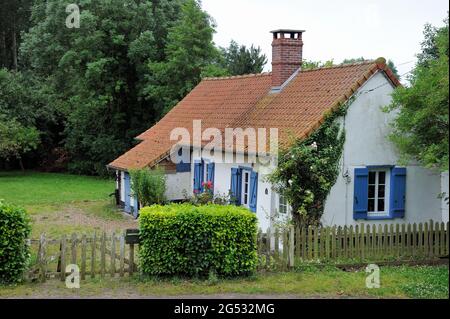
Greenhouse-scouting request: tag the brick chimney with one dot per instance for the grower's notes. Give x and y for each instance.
(287, 51)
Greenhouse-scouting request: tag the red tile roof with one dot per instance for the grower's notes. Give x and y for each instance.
(246, 101)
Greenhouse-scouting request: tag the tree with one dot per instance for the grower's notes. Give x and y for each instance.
(189, 53)
(239, 60)
(16, 140)
(311, 65)
(97, 75)
(420, 131)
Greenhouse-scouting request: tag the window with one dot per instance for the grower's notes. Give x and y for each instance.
(377, 193)
(283, 206)
(245, 188)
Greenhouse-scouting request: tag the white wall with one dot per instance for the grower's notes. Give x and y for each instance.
(367, 128)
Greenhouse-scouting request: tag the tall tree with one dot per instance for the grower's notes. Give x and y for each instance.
(189, 52)
(239, 60)
(96, 75)
(421, 127)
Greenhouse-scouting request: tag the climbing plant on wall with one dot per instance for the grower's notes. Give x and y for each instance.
(309, 168)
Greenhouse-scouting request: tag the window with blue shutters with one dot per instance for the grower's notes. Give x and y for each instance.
(210, 170)
(127, 186)
(379, 192)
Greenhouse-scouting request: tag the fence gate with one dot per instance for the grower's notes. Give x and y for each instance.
(95, 255)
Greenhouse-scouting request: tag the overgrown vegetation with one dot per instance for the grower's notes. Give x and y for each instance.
(89, 91)
(197, 240)
(421, 127)
(149, 185)
(309, 168)
(14, 252)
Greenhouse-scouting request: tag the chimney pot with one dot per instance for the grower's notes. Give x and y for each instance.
(287, 51)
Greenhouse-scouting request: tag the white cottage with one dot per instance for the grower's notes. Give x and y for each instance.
(371, 186)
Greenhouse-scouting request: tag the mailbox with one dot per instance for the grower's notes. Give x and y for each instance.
(132, 236)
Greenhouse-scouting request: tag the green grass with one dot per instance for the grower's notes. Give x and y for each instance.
(396, 282)
(35, 188)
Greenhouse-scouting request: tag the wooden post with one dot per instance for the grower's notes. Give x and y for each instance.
(357, 253)
(437, 240)
(327, 243)
(304, 245)
(316, 242)
(333, 242)
(310, 243)
(103, 255)
(420, 240)
(131, 258)
(391, 240)
(442, 238)
(345, 241)
(403, 243)
(397, 240)
(63, 258)
(74, 249)
(122, 254)
(339, 242)
(431, 239)
(83, 257)
(362, 244)
(426, 240)
(414, 240)
(385, 241)
(93, 249)
(42, 258)
(374, 240)
(113, 255)
(291, 246)
(298, 248)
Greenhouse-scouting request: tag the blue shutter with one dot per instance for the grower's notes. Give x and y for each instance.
(398, 192)
(236, 185)
(211, 167)
(198, 177)
(361, 195)
(127, 192)
(253, 191)
(183, 167)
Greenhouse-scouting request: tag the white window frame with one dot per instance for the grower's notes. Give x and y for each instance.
(387, 182)
(283, 205)
(243, 192)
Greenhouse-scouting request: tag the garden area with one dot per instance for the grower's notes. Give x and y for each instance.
(185, 250)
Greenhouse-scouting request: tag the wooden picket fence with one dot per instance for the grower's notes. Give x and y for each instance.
(104, 255)
(293, 245)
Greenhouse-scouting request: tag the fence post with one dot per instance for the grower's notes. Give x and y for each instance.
(131, 258)
(63, 259)
(113, 255)
(93, 249)
(425, 240)
(414, 240)
(103, 255)
(291, 246)
(442, 237)
(83, 257)
(437, 240)
(431, 239)
(42, 259)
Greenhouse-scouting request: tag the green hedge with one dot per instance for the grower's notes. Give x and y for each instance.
(14, 251)
(182, 239)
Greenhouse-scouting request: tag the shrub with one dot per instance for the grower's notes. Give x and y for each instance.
(183, 239)
(149, 185)
(14, 251)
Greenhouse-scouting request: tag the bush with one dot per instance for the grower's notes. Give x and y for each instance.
(183, 239)
(149, 185)
(14, 251)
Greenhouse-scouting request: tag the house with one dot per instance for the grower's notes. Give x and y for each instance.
(371, 186)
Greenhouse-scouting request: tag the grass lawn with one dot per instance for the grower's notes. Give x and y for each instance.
(62, 203)
(396, 282)
(31, 188)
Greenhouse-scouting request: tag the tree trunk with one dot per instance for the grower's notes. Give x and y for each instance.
(3, 62)
(21, 164)
(14, 45)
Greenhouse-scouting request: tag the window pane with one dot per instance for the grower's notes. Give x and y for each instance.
(371, 191)
(381, 205)
(372, 177)
(381, 191)
(382, 178)
(246, 177)
(371, 205)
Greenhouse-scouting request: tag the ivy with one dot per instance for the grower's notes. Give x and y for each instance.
(309, 168)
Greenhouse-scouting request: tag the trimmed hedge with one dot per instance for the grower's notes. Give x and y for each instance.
(182, 239)
(14, 252)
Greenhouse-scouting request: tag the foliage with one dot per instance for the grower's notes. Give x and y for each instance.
(420, 131)
(149, 185)
(15, 139)
(309, 168)
(311, 65)
(239, 60)
(14, 251)
(195, 240)
(189, 51)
